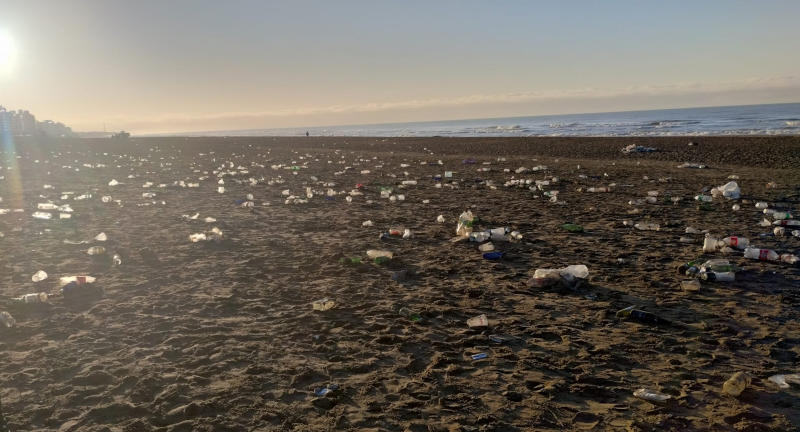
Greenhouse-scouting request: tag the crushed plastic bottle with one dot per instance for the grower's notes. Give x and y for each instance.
(783, 381)
(736, 384)
(651, 395)
(569, 275)
(375, 254)
(323, 304)
(761, 205)
(39, 276)
(478, 321)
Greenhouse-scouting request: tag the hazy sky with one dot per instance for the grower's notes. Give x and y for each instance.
(157, 66)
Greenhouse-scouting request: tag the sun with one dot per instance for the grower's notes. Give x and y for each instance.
(7, 51)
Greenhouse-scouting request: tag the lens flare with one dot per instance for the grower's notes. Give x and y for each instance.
(8, 53)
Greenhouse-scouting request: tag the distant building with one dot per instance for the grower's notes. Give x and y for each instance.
(21, 123)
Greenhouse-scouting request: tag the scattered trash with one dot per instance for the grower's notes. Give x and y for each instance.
(571, 227)
(479, 356)
(39, 276)
(478, 321)
(633, 148)
(323, 304)
(736, 384)
(569, 276)
(651, 395)
(7, 320)
(783, 381)
(324, 391)
(632, 314)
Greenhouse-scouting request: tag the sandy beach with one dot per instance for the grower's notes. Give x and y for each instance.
(221, 335)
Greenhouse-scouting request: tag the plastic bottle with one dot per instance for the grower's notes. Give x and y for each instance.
(717, 265)
(646, 226)
(710, 244)
(498, 233)
(375, 253)
(703, 198)
(737, 242)
(787, 222)
(718, 277)
(781, 215)
(465, 221)
(651, 395)
(736, 384)
(761, 205)
(599, 189)
(480, 236)
(32, 298)
(633, 314)
(761, 254)
(7, 320)
(323, 304)
(690, 285)
(478, 321)
(96, 250)
(486, 247)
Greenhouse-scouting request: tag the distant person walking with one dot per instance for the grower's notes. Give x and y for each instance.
(306, 133)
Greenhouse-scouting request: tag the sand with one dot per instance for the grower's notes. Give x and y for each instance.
(221, 335)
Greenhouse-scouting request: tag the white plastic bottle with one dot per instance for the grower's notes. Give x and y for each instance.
(737, 242)
(761, 254)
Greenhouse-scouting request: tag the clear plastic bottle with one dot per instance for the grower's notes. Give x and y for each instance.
(703, 198)
(761, 205)
(32, 298)
(710, 244)
(7, 320)
(787, 222)
(761, 254)
(375, 253)
(781, 215)
(718, 277)
(645, 226)
(96, 250)
(737, 242)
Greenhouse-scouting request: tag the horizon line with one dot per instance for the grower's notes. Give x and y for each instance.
(213, 131)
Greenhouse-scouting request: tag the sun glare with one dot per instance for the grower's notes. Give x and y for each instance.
(7, 52)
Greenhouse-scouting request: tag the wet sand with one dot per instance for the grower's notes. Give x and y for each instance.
(215, 336)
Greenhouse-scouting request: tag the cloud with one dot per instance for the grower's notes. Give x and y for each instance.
(269, 118)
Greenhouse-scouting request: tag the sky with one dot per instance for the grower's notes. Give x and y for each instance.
(150, 66)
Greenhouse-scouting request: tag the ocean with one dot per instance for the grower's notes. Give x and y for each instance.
(773, 119)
